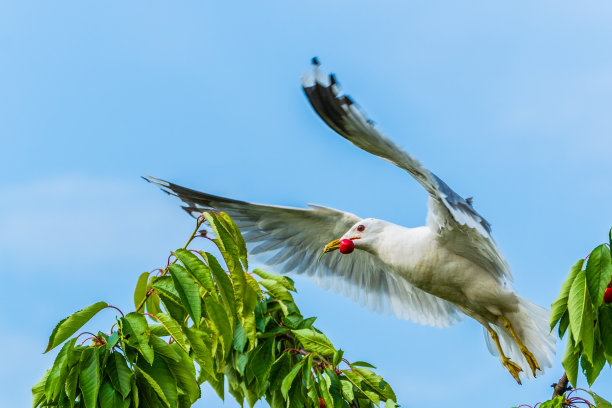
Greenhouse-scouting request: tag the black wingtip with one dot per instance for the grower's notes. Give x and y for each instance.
(145, 178)
(332, 79)
(315, 61)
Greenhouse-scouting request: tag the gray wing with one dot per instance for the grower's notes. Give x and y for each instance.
(291, 240)
(459, 226)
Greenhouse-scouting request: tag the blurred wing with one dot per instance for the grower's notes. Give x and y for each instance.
(460, 227)
(291, 240)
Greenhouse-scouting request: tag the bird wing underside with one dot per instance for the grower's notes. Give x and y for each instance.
(459, 226)
(291, 240)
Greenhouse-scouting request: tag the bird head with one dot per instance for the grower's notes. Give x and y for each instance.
(362, 236)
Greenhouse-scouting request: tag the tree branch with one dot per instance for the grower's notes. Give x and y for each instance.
(561, 387)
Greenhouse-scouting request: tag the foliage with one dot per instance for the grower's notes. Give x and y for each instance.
(581, 312)
(195, 322)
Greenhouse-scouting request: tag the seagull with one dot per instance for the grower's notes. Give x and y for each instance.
(434, 274)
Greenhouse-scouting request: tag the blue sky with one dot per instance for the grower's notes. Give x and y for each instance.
(507, 102)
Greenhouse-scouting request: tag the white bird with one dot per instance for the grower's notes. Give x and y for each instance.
(432, 274)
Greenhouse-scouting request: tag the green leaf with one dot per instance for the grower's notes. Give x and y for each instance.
(173, 329)
(314, 341)
(361, 364)
(559, 306)
(563, 324)
(71, 383)
(240, 338)
(38, 390)
(279, 370)
(337, 358)
(164, 287)
(202, 352)
(68, 326)
(119, 373)
(226, 288)
(198, 269)
(282, 279)
(599, 401)
(605, 327)
(376, 382)
(219, 319)
(184, 372)
(277, 289)
(162, 348)
(570, 361)
(323, 385)
(59, 372)
(591, 370)
(307, 371)
(288, 380)
(154, 385)
(111, 398)
(153, 304)
(598, 273)
(112, 340)
(391, 404)
(160, 374)
(189, 292)
(141, 288)
(89, 378)
(581, 314)
(247, 315)
(135, 325)
(556, 402)
(234, 231)
(225, 242)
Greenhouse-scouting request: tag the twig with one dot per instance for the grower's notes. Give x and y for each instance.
(561, 387)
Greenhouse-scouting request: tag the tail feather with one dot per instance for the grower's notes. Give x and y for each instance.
(531, 324)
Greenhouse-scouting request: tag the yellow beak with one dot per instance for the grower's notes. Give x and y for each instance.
(330, 247)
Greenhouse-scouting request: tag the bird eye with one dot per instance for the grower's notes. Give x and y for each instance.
(361, 228)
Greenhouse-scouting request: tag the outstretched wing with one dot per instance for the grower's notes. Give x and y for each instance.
(291, 240)
(460, 227)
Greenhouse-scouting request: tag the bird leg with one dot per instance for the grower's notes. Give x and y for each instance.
(531, 360)
(511, 366)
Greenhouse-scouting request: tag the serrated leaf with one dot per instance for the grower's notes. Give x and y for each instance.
(161, 374)
(68, 326)
(59, 372)
(598, 273)
(570, 361)
(314, 341)
(234, 231)
(590, 369)
(563, 324)
(240, 338)
(141, 289)
(247, 315)
(218, 318)
(38, 390)
(135, 325)
(225, 242)
(203, 354)
(172, 328)
(89, 377)
(323, 386)
(376, 382)
(188, 291)
(111, 398)
(559, 306)
(119, 373)
(71, 384)
(162, 348)
(581, 314)
(288, 380)
(153, 304)
(200, 271)
(184, 372)
(307, 371)
(599, 401)
(276, 289)
(226, 288)
(154, 385)
(361, 364)
(282, 279)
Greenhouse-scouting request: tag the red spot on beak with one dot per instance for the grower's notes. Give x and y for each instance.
(346, 246)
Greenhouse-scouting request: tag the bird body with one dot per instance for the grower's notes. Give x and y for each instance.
(434, 274)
